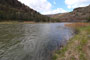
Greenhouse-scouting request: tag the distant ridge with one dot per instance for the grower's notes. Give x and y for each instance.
(80, 14)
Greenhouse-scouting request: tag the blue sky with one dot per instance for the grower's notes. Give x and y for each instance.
(59, 4)
(55, 6)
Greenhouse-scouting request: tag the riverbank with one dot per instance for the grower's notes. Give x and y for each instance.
(16, 22)
(26, 22)
(78, 48)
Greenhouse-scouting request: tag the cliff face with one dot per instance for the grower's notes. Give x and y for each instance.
(15, 10)
(78, 14)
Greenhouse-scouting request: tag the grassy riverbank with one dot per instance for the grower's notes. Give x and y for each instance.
(78, 48)
(16, 22)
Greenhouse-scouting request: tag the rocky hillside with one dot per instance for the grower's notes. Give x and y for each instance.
(15, 10)
(78, 14)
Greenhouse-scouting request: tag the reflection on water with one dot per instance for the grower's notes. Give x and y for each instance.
(31, 41)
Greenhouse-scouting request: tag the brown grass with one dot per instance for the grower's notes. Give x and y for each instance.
(29, 22)
(78, 48)
(74, 25)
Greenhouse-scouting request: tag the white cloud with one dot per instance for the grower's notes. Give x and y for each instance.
(38, 5)
(42, 6)
(58, 10)
(77, 3)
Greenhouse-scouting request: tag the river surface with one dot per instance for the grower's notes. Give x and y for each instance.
(32, 41)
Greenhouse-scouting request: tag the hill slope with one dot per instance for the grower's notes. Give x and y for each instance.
(15, 10)
(78, 14)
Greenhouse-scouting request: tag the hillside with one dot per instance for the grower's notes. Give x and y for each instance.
(78, 14)
(15, 10)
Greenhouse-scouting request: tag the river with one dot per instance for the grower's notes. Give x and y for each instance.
(32, 41)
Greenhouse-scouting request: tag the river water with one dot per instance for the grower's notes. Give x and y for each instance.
(32, 41)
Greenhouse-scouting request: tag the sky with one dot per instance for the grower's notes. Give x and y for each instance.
(55, 6)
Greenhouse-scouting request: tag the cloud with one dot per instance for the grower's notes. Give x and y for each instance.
(76, 3)
(58, 10)
(42, 6)
(38, 5)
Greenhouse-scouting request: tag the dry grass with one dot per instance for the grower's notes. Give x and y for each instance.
(74, 25)
(9, 22)
(78, 48)
(16, 22)
(28, 22)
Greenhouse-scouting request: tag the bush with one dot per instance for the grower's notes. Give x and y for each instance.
(88, 19)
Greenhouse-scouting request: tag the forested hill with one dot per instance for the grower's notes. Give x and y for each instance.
(14, 10)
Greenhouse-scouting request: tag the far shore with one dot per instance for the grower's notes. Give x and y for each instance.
(32, 22)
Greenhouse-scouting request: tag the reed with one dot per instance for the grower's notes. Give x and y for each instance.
(75, 25)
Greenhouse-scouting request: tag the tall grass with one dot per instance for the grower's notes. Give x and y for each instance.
(76, 25)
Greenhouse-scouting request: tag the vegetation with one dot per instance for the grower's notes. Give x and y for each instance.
(77, 15)
(13, 10)
(88, 19)
(78, 48)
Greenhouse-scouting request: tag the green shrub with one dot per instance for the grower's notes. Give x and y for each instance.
(88, 19)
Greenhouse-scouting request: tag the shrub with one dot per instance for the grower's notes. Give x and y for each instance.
(88, 19)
